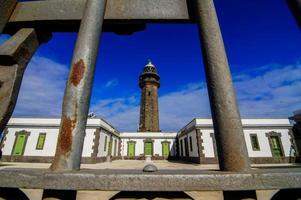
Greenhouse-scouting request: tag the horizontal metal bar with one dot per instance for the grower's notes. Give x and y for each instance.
(64, 15)
(163, 180)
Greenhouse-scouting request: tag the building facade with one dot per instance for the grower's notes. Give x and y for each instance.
(297, 133)
(35, 140)
(267, 141)
(159, 145)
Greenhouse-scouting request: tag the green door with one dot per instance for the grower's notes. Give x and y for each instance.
(131, 149)
(165, 148)
(276, 147)
(19, 145)
(148, 148)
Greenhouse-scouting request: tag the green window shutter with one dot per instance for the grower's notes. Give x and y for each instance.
(131, 149)
(148, 148)
(41, 141)
(19, 145)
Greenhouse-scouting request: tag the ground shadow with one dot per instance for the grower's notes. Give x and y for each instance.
(150, 195)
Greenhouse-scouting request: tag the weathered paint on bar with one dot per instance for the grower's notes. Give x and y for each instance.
(232, 150)
(78, 90)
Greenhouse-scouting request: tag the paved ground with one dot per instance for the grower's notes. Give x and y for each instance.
(118, 164)
(136, 164)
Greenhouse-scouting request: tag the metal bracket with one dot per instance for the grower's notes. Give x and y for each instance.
(14, 57)
(6, 9)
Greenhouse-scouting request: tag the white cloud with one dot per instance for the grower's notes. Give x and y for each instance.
(178, 108)
(112, 83)
(42, 89)
(269, 92)
(276, 92)
(121, 112)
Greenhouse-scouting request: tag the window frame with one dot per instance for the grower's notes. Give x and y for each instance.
(105, 144)
(190, 143)
(38, 141)
(254, 135)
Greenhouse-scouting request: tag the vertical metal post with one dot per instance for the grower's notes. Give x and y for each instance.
(78, 89)
(6, 9)
(232, 151)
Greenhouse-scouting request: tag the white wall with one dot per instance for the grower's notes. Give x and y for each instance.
(194, 152)
(265, 150)
(115, 146)
(101, 151)
(208, 143)
(139, 147)
(88, 142)
(30, 148)
(51, 141)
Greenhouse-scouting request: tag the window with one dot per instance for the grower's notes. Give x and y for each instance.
(105, 145)
(41, 141)
(182, 153)
(186, 146)
(115, 148)
(148, 148)
(110, 147)
(254, 142)
(190, 141)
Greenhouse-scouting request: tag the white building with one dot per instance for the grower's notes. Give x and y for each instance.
(34, 140)
(160, 145)
(267, 140)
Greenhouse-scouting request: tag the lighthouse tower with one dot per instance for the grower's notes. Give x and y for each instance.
(149, 82)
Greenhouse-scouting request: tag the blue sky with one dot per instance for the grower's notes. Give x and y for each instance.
(263, 46)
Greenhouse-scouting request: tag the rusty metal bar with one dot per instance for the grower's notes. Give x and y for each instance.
(232, 151)
(14, 57)
(78, 90)
(6, 9)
